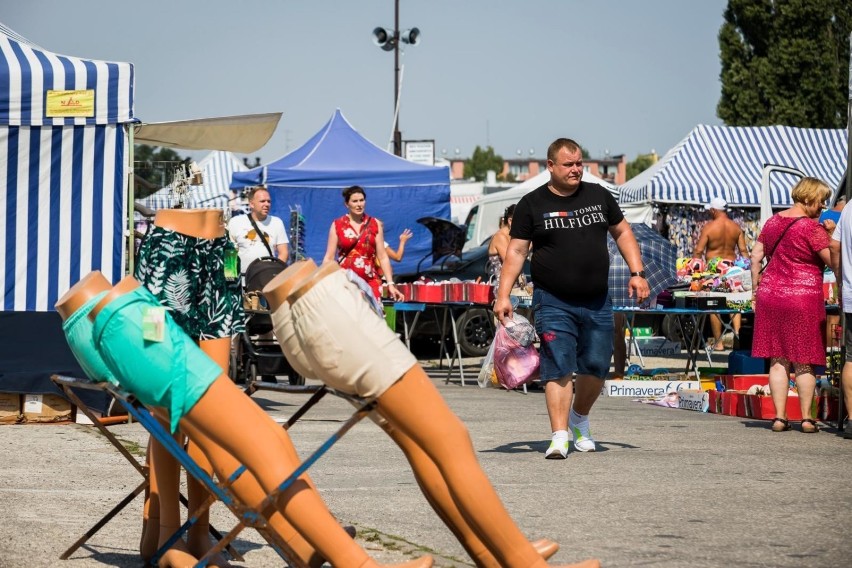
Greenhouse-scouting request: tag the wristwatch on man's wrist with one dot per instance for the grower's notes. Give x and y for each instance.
(640, 274)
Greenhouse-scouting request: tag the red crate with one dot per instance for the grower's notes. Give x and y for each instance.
(762, 408)
(715, 401)
(454, 292)
(733, 404)
(743, 382)
(405, 290)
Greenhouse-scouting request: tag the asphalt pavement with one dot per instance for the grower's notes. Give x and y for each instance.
(666, 488)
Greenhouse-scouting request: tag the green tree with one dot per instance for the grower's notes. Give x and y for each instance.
(639, 165)
(155, 165)
(481, 161)
(785, 62)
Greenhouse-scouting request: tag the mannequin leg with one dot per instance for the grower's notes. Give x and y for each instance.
(198, 536)
(302, 506)
(438, 495)
(150, 510)
(441, 435)
(250, 493)
(245, 488)
(166, 472)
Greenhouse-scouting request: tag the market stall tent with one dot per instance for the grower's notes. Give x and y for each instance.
(214, 193)
(727, 162)
(63, 167)
(312, 177)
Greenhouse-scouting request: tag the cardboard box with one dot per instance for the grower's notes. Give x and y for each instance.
(46, 408)
(707, 301)
(697, 400)
(646, 389)
(10, 408)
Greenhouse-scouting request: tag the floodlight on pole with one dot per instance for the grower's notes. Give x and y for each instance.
(389, 40)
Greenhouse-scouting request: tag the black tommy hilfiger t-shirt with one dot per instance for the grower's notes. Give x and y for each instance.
(568, 234)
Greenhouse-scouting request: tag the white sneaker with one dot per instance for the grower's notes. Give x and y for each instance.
(583, 441)
(557, 450)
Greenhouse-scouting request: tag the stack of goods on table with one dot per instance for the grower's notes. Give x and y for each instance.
(717, 277)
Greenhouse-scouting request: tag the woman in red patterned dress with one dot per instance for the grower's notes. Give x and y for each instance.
(357, 242)
(789, 306)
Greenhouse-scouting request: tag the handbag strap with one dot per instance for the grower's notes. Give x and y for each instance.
(261, 235)
(778, 242)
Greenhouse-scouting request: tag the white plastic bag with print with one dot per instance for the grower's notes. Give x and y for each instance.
(515, 357)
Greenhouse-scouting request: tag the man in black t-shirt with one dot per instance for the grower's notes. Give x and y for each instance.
(566, 222)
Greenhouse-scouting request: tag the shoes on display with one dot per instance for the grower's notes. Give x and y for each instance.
(558, 450)
(583, 441)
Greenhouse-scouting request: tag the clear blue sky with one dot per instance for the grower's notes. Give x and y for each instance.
(622, 76)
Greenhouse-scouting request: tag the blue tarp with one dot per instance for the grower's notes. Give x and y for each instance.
(313, 176)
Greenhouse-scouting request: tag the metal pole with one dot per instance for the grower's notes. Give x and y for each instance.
(397, 136)
(843, 354)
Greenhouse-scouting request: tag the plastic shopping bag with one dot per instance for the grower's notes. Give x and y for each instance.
(515, 357)
(484, 378)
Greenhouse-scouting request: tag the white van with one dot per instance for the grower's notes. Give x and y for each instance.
(483, 220)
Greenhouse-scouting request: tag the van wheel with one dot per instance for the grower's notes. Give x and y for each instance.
(476, 332)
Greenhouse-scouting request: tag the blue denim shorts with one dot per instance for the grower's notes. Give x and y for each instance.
(576, 337)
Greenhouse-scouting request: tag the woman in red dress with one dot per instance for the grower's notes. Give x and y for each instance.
(789, 305)
(357, 242)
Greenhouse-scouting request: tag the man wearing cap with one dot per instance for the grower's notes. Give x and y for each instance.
(720, 237)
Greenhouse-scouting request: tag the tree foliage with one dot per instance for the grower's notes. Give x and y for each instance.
(481, 161)
(155, 164)
(785, 62)
(639, 165)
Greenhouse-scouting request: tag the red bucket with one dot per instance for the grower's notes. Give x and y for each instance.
(455, 292)
(479, 293)
(429, 293)
(405, 290)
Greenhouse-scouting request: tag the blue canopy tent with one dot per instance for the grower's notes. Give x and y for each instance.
(63, 166)
(312, 177)
(727, 162)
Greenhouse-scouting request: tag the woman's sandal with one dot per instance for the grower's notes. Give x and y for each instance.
(809, 426)
(780, 424)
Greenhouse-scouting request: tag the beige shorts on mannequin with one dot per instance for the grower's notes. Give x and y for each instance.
(282, 325)
(343, 340)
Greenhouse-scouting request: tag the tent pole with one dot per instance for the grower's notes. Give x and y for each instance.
(131, 200)
(840, 402)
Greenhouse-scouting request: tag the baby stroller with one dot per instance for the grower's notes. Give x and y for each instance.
(256, 354)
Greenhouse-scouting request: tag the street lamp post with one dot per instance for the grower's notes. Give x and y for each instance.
(389, 40)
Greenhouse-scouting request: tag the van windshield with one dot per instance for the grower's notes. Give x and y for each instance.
(472, 217)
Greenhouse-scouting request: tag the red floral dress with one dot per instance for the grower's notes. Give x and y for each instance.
(789, 316)
(357, 251)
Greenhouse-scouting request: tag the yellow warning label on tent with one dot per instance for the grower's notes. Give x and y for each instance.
(71, 103)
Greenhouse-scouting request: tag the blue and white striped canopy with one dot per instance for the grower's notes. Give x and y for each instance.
(62, 179)
(215, 193)
(727, 162)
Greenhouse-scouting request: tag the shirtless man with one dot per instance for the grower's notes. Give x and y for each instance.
(720, 238)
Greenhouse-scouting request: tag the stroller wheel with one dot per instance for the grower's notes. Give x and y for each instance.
(234, 367)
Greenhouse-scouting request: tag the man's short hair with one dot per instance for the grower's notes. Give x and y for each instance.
(560, 143)
(717, 203)
(252, 191)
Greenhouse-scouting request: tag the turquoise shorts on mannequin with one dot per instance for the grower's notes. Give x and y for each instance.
(173, 373)
(78, 334)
